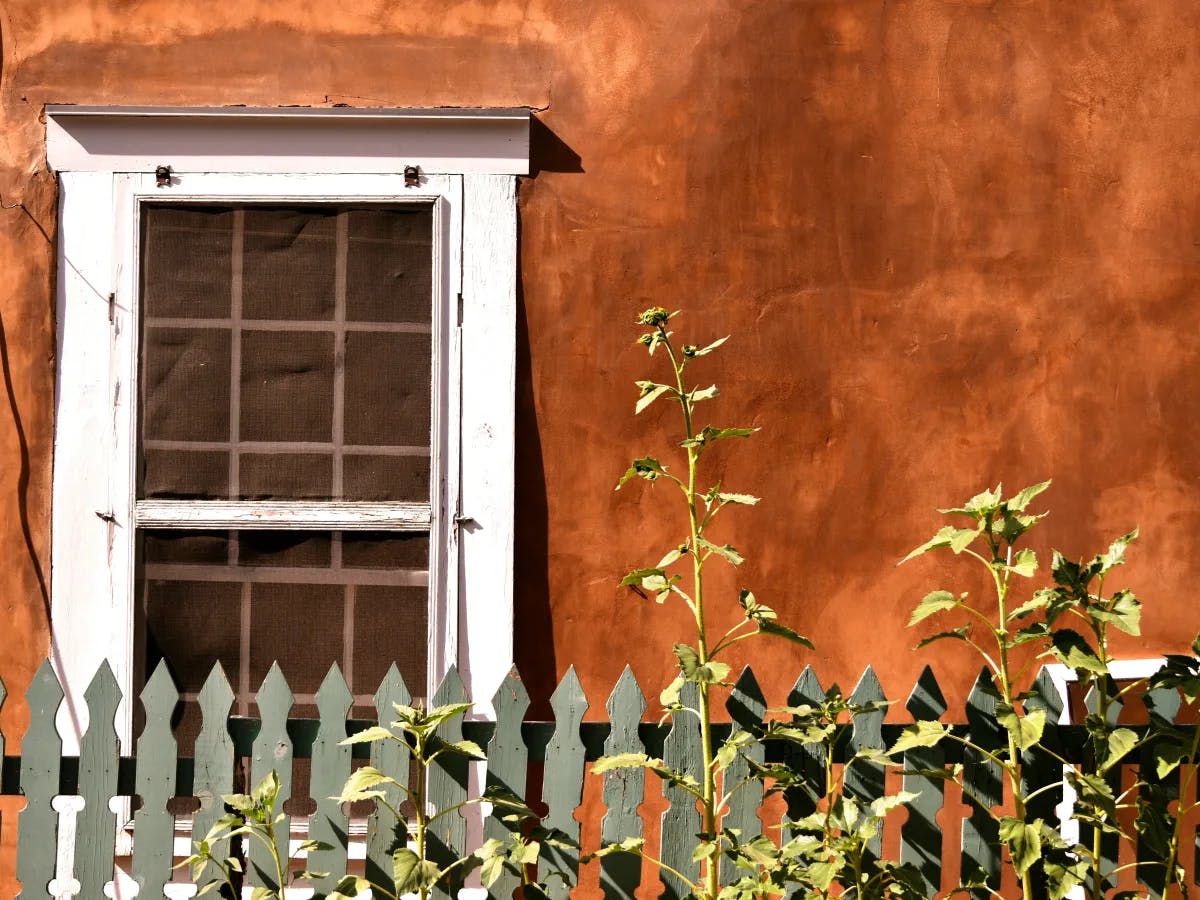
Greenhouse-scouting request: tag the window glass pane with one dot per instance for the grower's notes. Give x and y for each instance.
(299, 349)
(306, 599)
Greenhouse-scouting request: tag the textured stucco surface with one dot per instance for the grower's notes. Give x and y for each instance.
(954, 242)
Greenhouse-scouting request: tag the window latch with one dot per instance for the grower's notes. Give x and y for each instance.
(465, 522)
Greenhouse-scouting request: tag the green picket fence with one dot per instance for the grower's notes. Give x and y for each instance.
(930, 832)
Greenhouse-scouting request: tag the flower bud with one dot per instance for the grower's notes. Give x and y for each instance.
(654, 317)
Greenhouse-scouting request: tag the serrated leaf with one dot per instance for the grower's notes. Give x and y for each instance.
(704, 351)
(374, 733)
(707, 393)
(634, 578)
(1072, 650)
(941, 539)
(933, 602)
(1025, 563)
(411, 873)
(962, 538)
(727, 553)
(711, 672)
(1024, 842)
(1120, 742)
(1025, 495)
(669, 696)
(1167, 757)
(624, 761)
(647, 467)
(881, 806)
(1124, 612)
(466, 748)
(1027, 729)
(671, 557)
(922, 734)
(689, 659)
(357, 786)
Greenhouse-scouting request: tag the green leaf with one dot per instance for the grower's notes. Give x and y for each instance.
(962, 538)
(671, 557)
(712, 672)
(1027, 729)
(1120, 742)
(1114, 556)
(881, 806)
(267, 790)
(1124, 612)
(442, 714)
(312, 846)
(263, 893)
(1040, 600)
(707, 393)
(1024, 841)
(984, 502)
(704, 351)
(350, 886)
(923, 734)
(1025, 564)
(411, 873)
(647, 467)
(768, 626)
(669, 696)
(624, 761)
(1167, 757)
(740, 499)
(958, 634)
(637, 576)
(689, 660)
(1025, 495)
(933, 602)
(941, 539)
(374, 733)
(466, 748)
(358, 785)
(1071, 649)
(726, 552)
(649, 393)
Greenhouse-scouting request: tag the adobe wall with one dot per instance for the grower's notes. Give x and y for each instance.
(955, 243)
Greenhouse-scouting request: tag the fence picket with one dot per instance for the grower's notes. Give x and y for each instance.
(96, 824)
(983, 787)
(920, 835)
(153, 826)
(681, 822)
(213, 777)
(1164, 706)
(746, 706)
(384, 832)
(865, 780)
(624, 789)
(508, 762)
(41, 755)
(448, 786)
(272, 751)
(330, 768)
(808, 761)
(562, 781)
(1039, 766)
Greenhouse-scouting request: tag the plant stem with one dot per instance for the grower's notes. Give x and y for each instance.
(707, 801)
(422, 822)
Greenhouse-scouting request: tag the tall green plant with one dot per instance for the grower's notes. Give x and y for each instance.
(679, 576)
(1073, 621)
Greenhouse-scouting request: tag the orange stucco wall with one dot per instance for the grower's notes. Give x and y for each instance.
(954, 242)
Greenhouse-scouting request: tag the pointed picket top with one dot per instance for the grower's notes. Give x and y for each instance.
(807, 689)
(625, 705)
(448, 787)
(1045, 695)
(159, 694)
(41, 754)
(3, 695)
(507, 763)
(746, 704)
(451, 690)
(681, 820)
(214, 751)
(624, 789)
(330, 769)
(274, 695)
(384, 833)
(99, 751)
(980, 831)
(564, 754)
(868, 727)
(156, 758)
(272, 751)
(926, 703)
(333, 697)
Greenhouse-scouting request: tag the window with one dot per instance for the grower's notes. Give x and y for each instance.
(285, 395)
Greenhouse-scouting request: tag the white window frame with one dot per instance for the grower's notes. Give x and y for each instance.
(468, 162)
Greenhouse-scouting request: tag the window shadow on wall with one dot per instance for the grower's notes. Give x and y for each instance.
(533, 631)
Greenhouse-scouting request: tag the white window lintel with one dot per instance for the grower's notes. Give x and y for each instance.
(449, 140)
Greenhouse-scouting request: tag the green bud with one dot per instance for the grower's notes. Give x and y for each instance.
(646, 340)
(654, 317)
(689, 350)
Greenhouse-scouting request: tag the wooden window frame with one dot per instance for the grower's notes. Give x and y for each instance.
(467, 163)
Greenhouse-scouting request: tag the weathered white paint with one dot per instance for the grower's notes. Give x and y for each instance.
(489, 318)
(283, 514)
(287, 140)
(94, 510)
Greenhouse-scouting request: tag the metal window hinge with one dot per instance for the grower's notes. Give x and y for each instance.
(112, 304)
(460, 309)
(467, 521)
